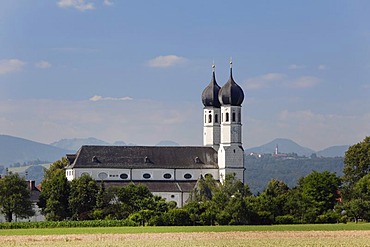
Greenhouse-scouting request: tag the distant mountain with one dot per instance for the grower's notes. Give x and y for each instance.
(334, 151)
(75, 143)
(15, 149)
(119, 143)
(284, 146)
(167, 143)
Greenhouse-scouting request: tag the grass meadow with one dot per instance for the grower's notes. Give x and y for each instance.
(279, 235)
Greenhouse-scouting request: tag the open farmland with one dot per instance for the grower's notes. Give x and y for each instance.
(288, 235)
(214, 239)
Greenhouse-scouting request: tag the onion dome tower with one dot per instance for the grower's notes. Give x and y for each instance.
(231, 152)
(211, 123)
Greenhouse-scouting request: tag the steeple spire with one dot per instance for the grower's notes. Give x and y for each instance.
(231, 67)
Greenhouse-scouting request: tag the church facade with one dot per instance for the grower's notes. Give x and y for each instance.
(172, 172)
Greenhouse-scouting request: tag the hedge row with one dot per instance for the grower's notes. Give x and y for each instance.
(56, 224)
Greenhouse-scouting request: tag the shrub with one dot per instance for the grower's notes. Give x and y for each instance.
(56, 224)
(285, 219)
(328, 217)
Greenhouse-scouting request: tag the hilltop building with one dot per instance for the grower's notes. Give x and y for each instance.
(172, 172)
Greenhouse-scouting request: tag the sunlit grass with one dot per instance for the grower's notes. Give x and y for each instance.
(124, 230)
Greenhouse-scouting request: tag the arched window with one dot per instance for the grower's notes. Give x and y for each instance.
(210, 118)
(234, 117)
(216, 118)
(239, 117)
(227, 117)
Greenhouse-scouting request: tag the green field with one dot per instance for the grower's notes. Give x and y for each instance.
(212, 236)
(180, 229)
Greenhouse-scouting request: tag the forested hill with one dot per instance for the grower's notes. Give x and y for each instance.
(259, 171)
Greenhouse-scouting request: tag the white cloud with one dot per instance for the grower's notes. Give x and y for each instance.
(166, 61)
(43, 64)
(264, 81)
(10, 66)
(304, 82)
(77, 4)
(296, 66)
(271, 80)
(99, 98)
(322, 67)
(108, 2)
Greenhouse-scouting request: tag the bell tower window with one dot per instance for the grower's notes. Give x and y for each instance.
(216, 118)
(210, 118)
(234, 117)
(227, 117)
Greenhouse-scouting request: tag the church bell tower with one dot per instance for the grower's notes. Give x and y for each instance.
(211, 113)
(231, 152)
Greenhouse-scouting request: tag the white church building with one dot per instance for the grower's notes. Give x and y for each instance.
(172, 172)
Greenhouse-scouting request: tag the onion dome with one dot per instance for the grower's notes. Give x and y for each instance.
(210, 93)
(231, 93)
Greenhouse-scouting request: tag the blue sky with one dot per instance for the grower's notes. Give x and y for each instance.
(135, 70)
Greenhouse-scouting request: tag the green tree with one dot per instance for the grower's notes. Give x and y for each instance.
(82, 199)
(15, 197)
(54, 196)
(204, 189)
(319, 194)
(358, 207)
(104, 208)
(177, 217)
(133, 198)
(273, 199)
(237, 210)
(356, 162)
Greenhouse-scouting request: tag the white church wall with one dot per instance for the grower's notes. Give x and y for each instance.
(142, 174)
(102, 174)
(194, 174)
(155, 174)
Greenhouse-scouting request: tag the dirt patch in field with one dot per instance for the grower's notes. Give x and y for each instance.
(287, 238)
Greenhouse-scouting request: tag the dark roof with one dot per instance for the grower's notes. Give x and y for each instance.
(157, 186)
(145, 157)
(210, 93)
(231, 93)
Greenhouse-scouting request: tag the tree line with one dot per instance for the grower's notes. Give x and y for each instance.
(319, 197)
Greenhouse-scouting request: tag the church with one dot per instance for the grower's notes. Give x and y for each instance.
(173, 172)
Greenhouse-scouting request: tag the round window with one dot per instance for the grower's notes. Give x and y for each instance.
(123, 176)
(188, 176)
(147, 175)
(85, 174)
(102, 175)
(167, 176)
(208, 175)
